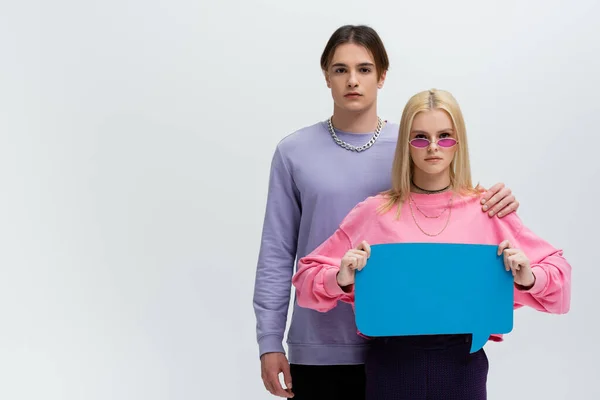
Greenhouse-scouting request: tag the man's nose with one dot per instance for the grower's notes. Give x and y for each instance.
(352, 81)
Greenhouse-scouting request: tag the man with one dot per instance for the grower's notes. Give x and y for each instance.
(318, 174)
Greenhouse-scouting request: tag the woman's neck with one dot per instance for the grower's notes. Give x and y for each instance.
(423, 183)
(355, 121)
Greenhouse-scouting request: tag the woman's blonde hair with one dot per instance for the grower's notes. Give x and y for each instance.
(403, 167)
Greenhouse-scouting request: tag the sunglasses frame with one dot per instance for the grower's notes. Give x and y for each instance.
(436, 142)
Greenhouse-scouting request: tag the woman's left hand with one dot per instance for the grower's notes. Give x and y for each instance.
(517, 261)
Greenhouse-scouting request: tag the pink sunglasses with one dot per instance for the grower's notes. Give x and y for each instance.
(421, 143)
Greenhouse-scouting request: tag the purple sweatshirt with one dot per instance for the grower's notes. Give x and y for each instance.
(313, 185)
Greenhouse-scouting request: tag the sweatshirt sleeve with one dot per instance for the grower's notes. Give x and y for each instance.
(551, 291)
(316, 279)
(272, 288)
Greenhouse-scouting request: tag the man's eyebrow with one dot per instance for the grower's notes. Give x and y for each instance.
(363, 64)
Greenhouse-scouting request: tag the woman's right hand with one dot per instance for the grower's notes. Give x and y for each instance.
(353, 260)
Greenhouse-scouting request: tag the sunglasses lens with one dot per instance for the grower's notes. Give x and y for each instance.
(420, 143)
(447, 142)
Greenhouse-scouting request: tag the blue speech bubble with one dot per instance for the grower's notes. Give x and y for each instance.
(434, 288)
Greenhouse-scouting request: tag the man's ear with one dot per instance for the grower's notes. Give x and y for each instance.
(382, 80)
(326, 75)
(327, 80)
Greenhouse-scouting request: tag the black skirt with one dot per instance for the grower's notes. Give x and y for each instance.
(425, 368)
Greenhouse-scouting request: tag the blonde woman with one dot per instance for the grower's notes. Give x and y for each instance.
(432, 199)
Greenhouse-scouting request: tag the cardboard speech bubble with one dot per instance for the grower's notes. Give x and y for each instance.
(434, 288)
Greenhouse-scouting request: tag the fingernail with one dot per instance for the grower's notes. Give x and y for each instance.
(491, 213)
(485, 208)
(482, 201)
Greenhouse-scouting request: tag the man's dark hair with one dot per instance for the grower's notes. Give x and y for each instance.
(361, 35)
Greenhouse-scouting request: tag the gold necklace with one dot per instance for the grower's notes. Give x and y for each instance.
(428, 216)
(419, 226)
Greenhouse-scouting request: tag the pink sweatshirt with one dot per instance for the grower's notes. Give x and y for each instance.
(315, 280)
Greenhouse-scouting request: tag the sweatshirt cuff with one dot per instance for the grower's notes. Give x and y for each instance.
(541, 280)
(330, 282)
(270, 344)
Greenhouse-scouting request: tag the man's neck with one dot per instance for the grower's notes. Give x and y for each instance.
(355, 122)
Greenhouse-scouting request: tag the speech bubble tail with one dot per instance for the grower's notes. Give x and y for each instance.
(478, 341)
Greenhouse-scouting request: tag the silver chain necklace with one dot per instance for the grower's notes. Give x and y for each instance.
(350, 147)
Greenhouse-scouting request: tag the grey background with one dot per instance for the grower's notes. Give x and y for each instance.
(136, 142)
